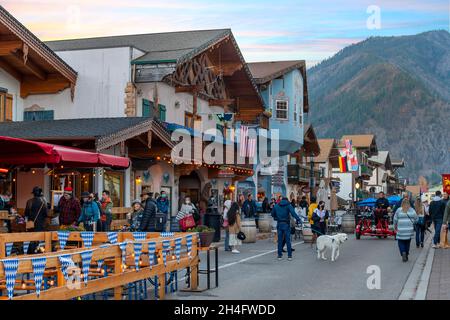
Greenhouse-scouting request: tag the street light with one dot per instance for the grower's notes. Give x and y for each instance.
(357, 185)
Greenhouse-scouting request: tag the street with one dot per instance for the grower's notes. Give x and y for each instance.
(257, 274)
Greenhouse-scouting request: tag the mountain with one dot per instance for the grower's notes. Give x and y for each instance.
(395, 87)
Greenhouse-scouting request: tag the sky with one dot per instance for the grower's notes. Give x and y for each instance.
(265, 30)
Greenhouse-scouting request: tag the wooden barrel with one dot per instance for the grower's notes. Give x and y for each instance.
(248, 227)
(265, 222)
(348, 223)
(307, 233)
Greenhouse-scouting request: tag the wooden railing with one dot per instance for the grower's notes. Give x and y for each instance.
(119, 274)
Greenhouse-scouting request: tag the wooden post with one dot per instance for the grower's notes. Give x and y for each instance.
(60, 277)
(162, 286)
(117, 270)
(48, 242)
(2, 248)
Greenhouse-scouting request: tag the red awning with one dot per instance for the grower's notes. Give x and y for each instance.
(14, 151)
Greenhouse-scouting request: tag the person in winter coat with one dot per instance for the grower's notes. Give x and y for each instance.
(320, 217)
(69, 208)
(135, 216)
(226, 208)
(234, 226)
(421, 223)
(282, 213)
(90, 212)
(148, 222)
(188, 208)
(436, 210)
(249, 207)
(312, 206)
(404, 219)
(106, 210)
(36, 210)
(163, 203)
(266, 205)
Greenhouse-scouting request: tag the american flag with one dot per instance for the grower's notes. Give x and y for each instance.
(243, 136)
(348, 146)
(251, 147)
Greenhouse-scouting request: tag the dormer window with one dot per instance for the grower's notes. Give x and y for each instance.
(281, 110)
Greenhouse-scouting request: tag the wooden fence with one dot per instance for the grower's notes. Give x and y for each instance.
(117, 274)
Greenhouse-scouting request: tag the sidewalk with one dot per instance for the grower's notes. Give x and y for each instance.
(439, 285)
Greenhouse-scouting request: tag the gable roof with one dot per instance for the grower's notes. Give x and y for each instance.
(326, 146)
(165, 46)
(360, 140)
(264, 72)
(382, 158)
(105, 131)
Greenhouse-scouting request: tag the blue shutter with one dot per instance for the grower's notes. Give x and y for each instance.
(162, 112)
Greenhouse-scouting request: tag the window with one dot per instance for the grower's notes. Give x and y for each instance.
(281, 111)
(162, 112)
(147, 108)
(38, 115)
(6, 107)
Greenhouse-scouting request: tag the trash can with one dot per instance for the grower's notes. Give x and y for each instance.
(212, 220)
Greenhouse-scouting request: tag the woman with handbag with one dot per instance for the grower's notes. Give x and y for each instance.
(226, 208)
(420, 225)
(36, 211)
(234, 226)
(185, 216)
(404, 220)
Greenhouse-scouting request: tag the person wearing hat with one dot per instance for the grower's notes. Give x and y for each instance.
(148, 221)
(135, 216)
(90, 212)
(36, 209)
(69, 208)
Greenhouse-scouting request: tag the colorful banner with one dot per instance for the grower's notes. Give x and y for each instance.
(446, 182)
(189, 244)
(66, 262)
(38, 272)
(86, 258)
(10, 266)
(88, 238)
(62, 237)
(343, 164)
(166, 234)
(137, 253)
(112, 237)
(123, 247)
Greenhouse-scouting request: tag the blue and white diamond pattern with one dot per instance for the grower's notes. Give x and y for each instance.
(88, 238)
(151, 253)
(140, 236)
(178, 249)
(66, 262)
(112, 237)
(166, 248)
(26, 245)
(10, 267)
(38, 272)
(166, 234)
(137, 253)
(86, 257)
(62, 237)
(123, 247)
(189, 244)
(9, 246)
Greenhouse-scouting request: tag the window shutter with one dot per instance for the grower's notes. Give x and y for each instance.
(147, 108)
(9, 108)
(162, 112)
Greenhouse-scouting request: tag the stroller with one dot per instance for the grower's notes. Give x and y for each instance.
(299, 227)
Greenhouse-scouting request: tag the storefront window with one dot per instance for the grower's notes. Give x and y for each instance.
(113, 182)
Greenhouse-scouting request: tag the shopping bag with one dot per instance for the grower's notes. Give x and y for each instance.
(444, 240)
(187, 222)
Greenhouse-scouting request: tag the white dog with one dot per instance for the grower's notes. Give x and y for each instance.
(330, 242)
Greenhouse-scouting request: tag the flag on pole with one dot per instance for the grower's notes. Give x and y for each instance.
(251, 148)
(343, 164)
(348, 146)
(243, 136)
(38, 272)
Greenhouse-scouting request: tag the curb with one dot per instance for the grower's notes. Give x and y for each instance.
(416, 285)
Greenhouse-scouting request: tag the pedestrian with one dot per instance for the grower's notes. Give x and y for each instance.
(187, 208)
(69, 208)
(282, 213)
(445, 197)
(312, 206)
(163, 204)
(303, 204)
(272, 203)
(404, 219)
(320, 217)
(148, 222)
(249, 207)
(446, 219)
(90, 212)
(234, 227)
(421, 223)
(135, 216)
(36, 210)
(226, 208)
(106, 205)
(293, 203)
(266, 205)
(436, 210)
(241, 200)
